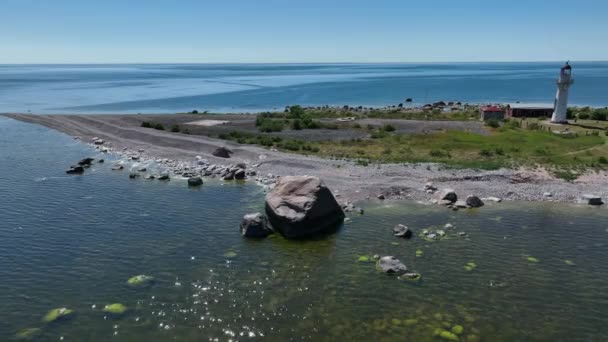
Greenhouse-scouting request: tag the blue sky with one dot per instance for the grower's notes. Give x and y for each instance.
(184, 31)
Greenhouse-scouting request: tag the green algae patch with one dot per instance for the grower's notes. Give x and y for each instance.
(230, 254)
(396, 321)
(458, 329)
(419, 252)
(58, 314)
(532, 259)
(410, 321)
(470, 266)
(364, 258)
(115, 309)
(28, 334)
(141, 280)
(569, 262)
(448, 336)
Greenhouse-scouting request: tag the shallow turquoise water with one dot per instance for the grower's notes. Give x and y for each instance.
(74, 241)
(132, 88)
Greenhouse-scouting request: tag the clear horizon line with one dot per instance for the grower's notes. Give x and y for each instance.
(310, 63)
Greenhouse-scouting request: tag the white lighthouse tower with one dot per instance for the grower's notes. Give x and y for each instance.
(561, 98)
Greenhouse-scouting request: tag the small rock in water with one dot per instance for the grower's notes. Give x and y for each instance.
(140, 280)
(255, 226)
(448, 226)
(74, 170)
(381, 197)
(195, 181)
(390, 264)
(592, 199)
(164, 177)
(133, 175)
(58, 314)
(117, 167)
(402, 231)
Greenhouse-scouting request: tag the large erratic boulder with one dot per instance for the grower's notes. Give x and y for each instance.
(222, 152)
(255, 226)
(302, 206)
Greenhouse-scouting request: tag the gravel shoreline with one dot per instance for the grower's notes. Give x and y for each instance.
(181, 154)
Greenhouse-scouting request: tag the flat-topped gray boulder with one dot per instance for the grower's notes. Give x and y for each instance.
(255, 226)
(390, 264)
(302, 206)
(592, 199)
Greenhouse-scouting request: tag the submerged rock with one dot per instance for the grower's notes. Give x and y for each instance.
(85, 161)
(140, 280)
(474, 201)
(402, 231)
(133, 175)
(390, 264)
(222, 152)
(75, 170)
(28, 334)
(195, 181)
(58, 314)
(302, 206)
(410, 276)
(255, 226)
(115, 309)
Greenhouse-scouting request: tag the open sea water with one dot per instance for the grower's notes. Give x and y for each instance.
(525, 271)
(167, 88)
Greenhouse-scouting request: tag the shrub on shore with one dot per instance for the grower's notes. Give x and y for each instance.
(175, 128)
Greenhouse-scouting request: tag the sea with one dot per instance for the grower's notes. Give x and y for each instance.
(523, 271)
(168, 88)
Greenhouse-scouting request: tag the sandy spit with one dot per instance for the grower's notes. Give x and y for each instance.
(348, 181)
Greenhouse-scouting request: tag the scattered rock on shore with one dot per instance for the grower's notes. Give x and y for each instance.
(448, 195)
(592, 199)
(302, 206)
(255, 226)
(474, 202)
(222, 152)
